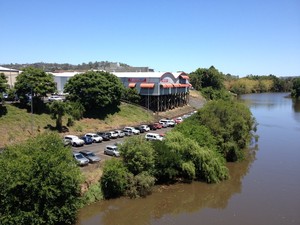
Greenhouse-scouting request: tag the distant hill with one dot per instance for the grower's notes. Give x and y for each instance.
(103, 65)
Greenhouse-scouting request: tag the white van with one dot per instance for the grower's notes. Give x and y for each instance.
(153, 137)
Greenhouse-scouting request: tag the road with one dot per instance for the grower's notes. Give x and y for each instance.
(98, 148)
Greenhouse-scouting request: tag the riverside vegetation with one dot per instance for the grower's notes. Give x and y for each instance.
(34, 172)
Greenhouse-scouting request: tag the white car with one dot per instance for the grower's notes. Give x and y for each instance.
(120, 133)
(113, 134)
(95, 137)
(146, 128)
(170, 123)
(132, 129)
(74, 140)
(55, 98)
(153, 137)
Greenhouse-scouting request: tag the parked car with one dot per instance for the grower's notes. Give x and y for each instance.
(120, 133)
(170, 123)
(153, 137)
(95, 137)
(140, 129)
(178, 120)
(145, 128)
(55, 98)
(80, 159)
(113, 135)
(127, 132)
(157, 125)
(132, 129)
(90, 156)
(87, 140)
(75, 141)
(164, 125)
(104, 136)
(112, 150)
(152, 126)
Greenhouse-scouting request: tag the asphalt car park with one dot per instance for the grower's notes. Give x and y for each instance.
(98, 148)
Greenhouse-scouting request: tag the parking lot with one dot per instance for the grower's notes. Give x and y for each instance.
(98, 148)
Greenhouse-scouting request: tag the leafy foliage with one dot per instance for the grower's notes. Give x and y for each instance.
(34, 81)
(202, 78)
(57, 110)
(114, 180)
(39, 183)
(296, 88)
(94, 90)
(140, 185)
(228, 121)
(138, 155)
(3, 84)
(131, 95)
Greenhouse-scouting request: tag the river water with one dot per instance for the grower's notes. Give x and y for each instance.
(263, 189)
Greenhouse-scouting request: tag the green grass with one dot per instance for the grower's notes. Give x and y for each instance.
(17, 124)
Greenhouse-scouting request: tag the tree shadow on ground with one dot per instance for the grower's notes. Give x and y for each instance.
(3, 110)
(102, 113)
(64, 129)
(38, 107)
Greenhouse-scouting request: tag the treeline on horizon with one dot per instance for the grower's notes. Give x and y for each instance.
(209, 80)
(51, 67)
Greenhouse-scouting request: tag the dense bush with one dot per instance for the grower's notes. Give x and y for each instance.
(296, 88)
(179, 157)
(114, 180)
(138, 155)
(229, 122)
(140, 185)
(39, 183)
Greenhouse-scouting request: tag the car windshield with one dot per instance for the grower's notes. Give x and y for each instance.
(79, 156)
(90, 154)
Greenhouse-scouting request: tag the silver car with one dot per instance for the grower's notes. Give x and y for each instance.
(80, 159)
(112, 150)
(90, 156)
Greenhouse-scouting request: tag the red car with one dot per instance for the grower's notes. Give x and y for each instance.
(157, 125)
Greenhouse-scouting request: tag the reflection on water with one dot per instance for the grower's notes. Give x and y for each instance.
(263, 189)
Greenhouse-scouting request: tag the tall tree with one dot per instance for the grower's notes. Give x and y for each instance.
(203, 78)
(296, 88)
(95, 90)
(34, 81)
(58, 109)
(3, 85)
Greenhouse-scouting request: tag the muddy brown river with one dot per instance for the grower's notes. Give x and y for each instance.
(263, 189)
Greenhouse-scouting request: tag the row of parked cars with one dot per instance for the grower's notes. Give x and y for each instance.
(86, 157)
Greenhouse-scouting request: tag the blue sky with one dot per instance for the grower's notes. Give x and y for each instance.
(239, 37)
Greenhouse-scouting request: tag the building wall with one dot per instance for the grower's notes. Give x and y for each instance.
(11, 76)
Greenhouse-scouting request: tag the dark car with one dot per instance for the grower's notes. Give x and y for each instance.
(105, 136)
(152, 127)
(140, 129)
(87, 140)
(90, 156)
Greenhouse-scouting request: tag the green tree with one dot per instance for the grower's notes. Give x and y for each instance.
(114, 180)
(40, 183)
(296, 88)
(131, 95)
(230, 122)
(95, 90)
(3, 83)
(57, 110)
(138, 155)
(202, 78)
(36, 82)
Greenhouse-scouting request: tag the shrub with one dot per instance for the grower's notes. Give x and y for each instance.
(39, 183)
(138, 155)
(114, 180)
(93, 194)
(140, 185)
